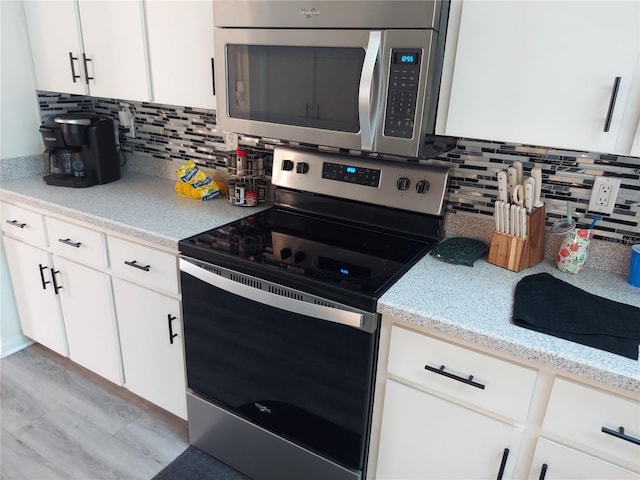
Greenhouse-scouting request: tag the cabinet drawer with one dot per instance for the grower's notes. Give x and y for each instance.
(23, 224)
(144, 265)
(75, 242)
(480, 380)
(578, 413)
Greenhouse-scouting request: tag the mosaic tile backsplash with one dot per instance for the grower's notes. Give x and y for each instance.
(183, 133)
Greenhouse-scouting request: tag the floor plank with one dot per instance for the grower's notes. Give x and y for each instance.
(61, 421)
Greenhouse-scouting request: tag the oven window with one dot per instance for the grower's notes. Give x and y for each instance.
(306, 379)
(303, 86)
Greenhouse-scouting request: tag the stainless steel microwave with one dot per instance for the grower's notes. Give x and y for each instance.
(359, 75)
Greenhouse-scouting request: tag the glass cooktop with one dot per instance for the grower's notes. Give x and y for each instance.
(337, 261)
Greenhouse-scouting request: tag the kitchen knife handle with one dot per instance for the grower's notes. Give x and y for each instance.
(172, 335)
(503, 463)
(543, 471)
(73, 69)
(135, 264)
(42, 269)
(441, 371)
(620, 434)
(86, 72)
(612, 103)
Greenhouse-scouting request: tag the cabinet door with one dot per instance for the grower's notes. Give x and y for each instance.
(562, 463)
(88, 313)
(536, 72)
(152, 350)
(114, 42)
(38, 308)
(425, 437)
(181, 52)
(56, 45)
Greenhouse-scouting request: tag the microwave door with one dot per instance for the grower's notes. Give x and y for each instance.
(308, 86)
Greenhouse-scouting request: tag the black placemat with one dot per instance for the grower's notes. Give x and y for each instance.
(546, 304)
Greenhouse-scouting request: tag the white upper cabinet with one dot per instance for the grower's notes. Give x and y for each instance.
(56, 45)
(181, 52)
(94, 47)
(115, 43)
(543, 73)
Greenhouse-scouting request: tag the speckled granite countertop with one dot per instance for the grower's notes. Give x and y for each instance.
(472, 304)
(475, 304)
(138, 205)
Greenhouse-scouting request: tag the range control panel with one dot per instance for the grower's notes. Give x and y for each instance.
(403, 185)
(402, 93)
(351, 174)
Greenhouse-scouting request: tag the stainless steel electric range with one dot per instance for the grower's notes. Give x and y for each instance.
(279, 309)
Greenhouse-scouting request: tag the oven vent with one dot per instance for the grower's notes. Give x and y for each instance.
(211, 268)
(250, 282)
(324, 304)
(283, 292)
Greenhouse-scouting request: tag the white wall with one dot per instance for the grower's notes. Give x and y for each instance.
(19, 113)
(19, 137)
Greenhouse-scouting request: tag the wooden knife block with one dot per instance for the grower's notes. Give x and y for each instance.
(516, 254)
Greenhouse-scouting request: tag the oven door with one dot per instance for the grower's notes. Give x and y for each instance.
(326, 87)
(301, 370)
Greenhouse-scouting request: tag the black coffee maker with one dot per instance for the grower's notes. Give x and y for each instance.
(80, 150)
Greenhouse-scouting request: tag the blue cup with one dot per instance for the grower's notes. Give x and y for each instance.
(634, 266)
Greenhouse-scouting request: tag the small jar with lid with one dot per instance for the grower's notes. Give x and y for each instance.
(241, 162)
(251, 199)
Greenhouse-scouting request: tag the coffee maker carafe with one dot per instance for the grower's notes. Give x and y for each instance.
(80, 150)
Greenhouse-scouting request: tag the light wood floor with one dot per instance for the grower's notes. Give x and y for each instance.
(60, 421)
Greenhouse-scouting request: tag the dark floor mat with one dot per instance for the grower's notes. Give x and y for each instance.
(194, 464)
(546, 304)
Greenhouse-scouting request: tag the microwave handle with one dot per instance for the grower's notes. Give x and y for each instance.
(367, 120)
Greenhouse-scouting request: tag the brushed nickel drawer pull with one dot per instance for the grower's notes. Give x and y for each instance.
(468, 381)
(135, 264)
(620, 434)
(67, 241)
(16, 223)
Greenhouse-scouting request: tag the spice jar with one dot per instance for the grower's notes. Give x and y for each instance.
(251, 199)
(241, 162)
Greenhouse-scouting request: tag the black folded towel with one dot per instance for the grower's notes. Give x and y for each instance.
(548, 305)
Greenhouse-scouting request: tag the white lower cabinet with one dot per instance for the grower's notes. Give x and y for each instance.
(85, 295)
(445, 410)
(553, 461)
(150, 328)
(37, 305)
(426, 437)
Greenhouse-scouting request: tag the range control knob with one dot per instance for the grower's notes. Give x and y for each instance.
(285, 253)
(287, 165)
(422, 187)
(299, 257)
(302, 167)
(403, 183)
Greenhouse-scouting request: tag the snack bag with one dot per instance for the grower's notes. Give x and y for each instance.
(194, 183)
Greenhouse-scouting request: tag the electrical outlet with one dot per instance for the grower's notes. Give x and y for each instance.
(231, 141)
(604, 194)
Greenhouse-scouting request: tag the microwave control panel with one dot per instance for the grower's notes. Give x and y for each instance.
(402, 92)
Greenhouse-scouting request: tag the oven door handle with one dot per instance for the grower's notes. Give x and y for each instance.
(344, 317)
